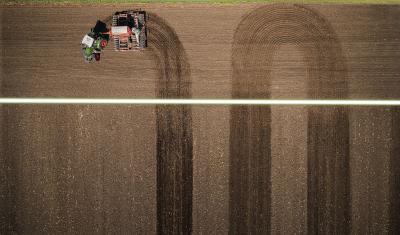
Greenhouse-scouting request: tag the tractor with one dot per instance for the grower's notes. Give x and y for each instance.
(128, 31)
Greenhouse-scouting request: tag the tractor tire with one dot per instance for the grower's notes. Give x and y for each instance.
(97, 56)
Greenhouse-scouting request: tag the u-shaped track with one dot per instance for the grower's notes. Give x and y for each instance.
(257, 38)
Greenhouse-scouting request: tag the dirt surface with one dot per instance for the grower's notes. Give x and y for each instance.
(203, 169)
(255, 42)
(174, 131)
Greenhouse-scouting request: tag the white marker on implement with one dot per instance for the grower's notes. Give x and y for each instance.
(199, 101)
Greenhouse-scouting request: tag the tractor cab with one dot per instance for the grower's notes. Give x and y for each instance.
(95, 41)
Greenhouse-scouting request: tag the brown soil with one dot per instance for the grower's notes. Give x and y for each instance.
(169, 169)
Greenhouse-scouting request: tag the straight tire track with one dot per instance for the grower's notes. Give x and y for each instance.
(394, 180)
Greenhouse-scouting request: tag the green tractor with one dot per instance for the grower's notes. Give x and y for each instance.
(128, 31)
(95, 41)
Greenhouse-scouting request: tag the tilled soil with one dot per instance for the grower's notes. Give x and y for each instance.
(203, 169)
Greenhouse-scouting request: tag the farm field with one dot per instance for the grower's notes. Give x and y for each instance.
(202, 169)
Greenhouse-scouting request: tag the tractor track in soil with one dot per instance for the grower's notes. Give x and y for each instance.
(174, 131)
(394, 177)
(174, 128)
(257, 38)
(93, 169)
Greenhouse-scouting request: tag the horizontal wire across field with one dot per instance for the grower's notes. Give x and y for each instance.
(197, 101)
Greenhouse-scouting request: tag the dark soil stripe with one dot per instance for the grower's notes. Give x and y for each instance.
(174, 131)
(394, 180)
(256, 39)
(9, 200)
(329, 210)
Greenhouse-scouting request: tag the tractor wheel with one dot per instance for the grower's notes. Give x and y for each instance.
(97, 56)
(103, 43)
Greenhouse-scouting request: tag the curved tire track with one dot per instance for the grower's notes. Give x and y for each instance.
(256, 40)
(174, 131)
